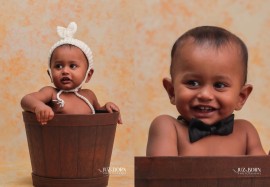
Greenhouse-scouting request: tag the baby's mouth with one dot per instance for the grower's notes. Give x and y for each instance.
(204, 109)
(65, 80)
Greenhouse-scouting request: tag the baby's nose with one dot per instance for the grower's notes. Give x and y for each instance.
(65, 70)
(205, 93)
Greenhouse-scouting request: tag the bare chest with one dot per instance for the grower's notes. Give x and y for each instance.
(73, 105)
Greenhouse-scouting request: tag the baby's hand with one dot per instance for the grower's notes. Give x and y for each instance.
(44, 113)
(110, 107)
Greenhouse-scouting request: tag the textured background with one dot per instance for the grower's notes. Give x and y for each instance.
(131, 43)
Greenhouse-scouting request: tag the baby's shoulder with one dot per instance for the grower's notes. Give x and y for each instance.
(253, 143)
(163, 123)
(242, 123)
(164, 119)
(162, 137)
(87, 92)
(244, 126)
(48, 89)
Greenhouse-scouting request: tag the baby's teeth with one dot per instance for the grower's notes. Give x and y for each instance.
(205, 108)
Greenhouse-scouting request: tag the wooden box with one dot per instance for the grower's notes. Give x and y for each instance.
(235, 171)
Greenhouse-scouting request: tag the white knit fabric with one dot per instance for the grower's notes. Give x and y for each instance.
(66, 35)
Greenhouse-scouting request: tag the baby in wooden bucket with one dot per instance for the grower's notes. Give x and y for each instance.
(70, 65)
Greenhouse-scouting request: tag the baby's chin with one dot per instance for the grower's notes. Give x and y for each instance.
(209, 121)
(66, 88)
(206, 121)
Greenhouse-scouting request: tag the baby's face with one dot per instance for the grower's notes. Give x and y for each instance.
(207, 81)
(68, 67)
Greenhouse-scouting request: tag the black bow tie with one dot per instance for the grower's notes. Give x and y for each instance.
(197, 129)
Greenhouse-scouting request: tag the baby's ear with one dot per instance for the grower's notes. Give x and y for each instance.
(168, 85)
(245, 91)
(89, 75)
(50, 75)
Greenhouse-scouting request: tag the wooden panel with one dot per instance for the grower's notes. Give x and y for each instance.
(109, 144)
(51, 135)
(100, 118)
(100, 150)
(36, 149)
(86, 151)
(202, 171)
(39, 181)
(69, 152)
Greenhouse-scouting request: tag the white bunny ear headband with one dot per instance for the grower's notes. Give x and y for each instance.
(66, 35)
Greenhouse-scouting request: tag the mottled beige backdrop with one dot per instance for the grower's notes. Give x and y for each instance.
(131, 43)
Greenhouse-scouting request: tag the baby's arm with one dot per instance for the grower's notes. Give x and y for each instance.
(162, 138)
(254, 146)
(36, 103)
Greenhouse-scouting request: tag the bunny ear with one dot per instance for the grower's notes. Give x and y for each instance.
(67, 32)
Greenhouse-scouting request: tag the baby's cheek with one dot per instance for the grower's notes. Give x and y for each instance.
(229, 102)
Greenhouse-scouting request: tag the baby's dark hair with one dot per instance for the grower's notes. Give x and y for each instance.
(216, 37)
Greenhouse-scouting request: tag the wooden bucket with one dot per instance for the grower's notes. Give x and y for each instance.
(71, 150)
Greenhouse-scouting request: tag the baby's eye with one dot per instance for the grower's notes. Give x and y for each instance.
(220, 85)
(58, 66)
(73, 66)
(193, 83)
